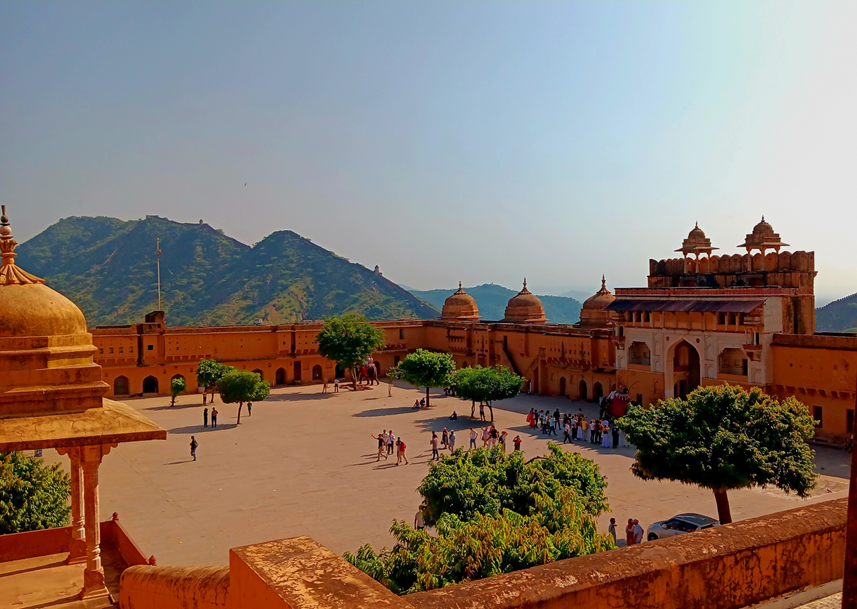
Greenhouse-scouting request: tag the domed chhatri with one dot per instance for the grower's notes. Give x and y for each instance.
(763, 238)
(696, 243)
(525, 308)
(27, 306)
(593, 312)
(460, 307)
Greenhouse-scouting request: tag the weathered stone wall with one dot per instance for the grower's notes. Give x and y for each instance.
(724, 568)
(145, 587)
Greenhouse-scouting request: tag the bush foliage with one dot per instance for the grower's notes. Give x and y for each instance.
(32, 496)
(494, 513)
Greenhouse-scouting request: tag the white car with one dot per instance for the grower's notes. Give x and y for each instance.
(678, 525)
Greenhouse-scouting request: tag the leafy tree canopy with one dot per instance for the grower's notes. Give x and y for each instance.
(426, 369)
(488, 481)
(487, 384)
(349, 340)
(177, 386)
(241, 386)
(494, 514)
(208, 372)
(723, 437)
(32, 496)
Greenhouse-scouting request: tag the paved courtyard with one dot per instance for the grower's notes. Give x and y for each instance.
(305, 464)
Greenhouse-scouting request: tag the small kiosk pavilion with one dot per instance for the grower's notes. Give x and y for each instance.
(51, 396)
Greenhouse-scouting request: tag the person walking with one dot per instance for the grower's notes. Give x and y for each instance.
(605, 438)
(615, 436)
(444, 437)
(629, 532)
(486, 436)
(451, 444)
(213, 416)
(380, 438)
(205, 417)
(419, 521)
(503, 441)
(473, 436)
(204, 399)
(517, 443)
(481, 411)
(612, 529)
(249, 409)
(638, 532)
(335, 385)
(566, 433)
(193, 445)
(531, 418)
(435, 455)
(391, 441)
(401, 452)
(554, 423)
(593, 431)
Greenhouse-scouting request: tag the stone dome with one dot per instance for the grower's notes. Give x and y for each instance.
(600, 299)
(696, 243)
(460, 307)
(46, 361)
(27, 306)
(525, 307)
(594, 311)
(762, 238)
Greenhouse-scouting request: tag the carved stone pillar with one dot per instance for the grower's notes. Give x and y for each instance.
(93, 575)
(77, 548)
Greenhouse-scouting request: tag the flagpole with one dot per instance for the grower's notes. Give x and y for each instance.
(158, 247)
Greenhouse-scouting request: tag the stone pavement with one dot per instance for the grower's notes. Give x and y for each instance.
(305, 464)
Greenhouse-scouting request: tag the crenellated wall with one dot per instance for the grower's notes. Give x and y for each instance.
(783, 269)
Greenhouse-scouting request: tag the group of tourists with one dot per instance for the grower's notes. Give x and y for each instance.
(387, 442)
(578, 427)
(633, 531)
(491, 437)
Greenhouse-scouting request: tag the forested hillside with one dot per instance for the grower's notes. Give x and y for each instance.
(108, 267)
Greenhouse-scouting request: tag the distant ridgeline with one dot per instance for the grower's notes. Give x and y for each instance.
(838, 316)
(492, 299)
(108, 268)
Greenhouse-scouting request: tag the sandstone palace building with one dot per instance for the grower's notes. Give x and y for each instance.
(745, 318)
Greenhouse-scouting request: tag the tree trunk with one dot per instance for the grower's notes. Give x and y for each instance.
(427, 398)
(240, 405)
(491, 410)
(723, 512)
(173, 401)
(472, 409)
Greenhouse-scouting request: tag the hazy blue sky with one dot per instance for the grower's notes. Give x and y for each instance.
(443, 140)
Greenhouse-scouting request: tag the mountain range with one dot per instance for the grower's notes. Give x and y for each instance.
(838, 316)
(108, 267)
(491, 300)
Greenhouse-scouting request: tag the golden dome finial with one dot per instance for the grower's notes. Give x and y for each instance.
(10, 273)
(603, 281)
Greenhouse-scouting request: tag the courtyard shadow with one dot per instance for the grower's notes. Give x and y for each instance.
(194, 429)
(177, 407)
(385, 412)
(298, 397)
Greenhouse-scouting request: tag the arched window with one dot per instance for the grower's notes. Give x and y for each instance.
(597, 392)
(120, 386)
(581, 391)
(150, 384)
(316, 373)
(280, 377)
(639, 354)
(259, 372)
(562, 386)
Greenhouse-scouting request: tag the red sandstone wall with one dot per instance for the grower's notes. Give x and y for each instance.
(724, 568)
(144, 587)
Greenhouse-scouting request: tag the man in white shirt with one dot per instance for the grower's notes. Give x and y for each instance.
(638, 532)
(391, 442)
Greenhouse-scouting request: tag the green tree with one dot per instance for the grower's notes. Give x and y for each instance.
(494, 514)
(208, 372)
(487, 385)
(426, 369)
(177, 386)
(241, 386)
(349, 341)
(32, 496)
(722, 438)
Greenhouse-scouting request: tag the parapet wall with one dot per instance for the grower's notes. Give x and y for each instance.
(174, 588)
(783, 269)
(728, 567)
